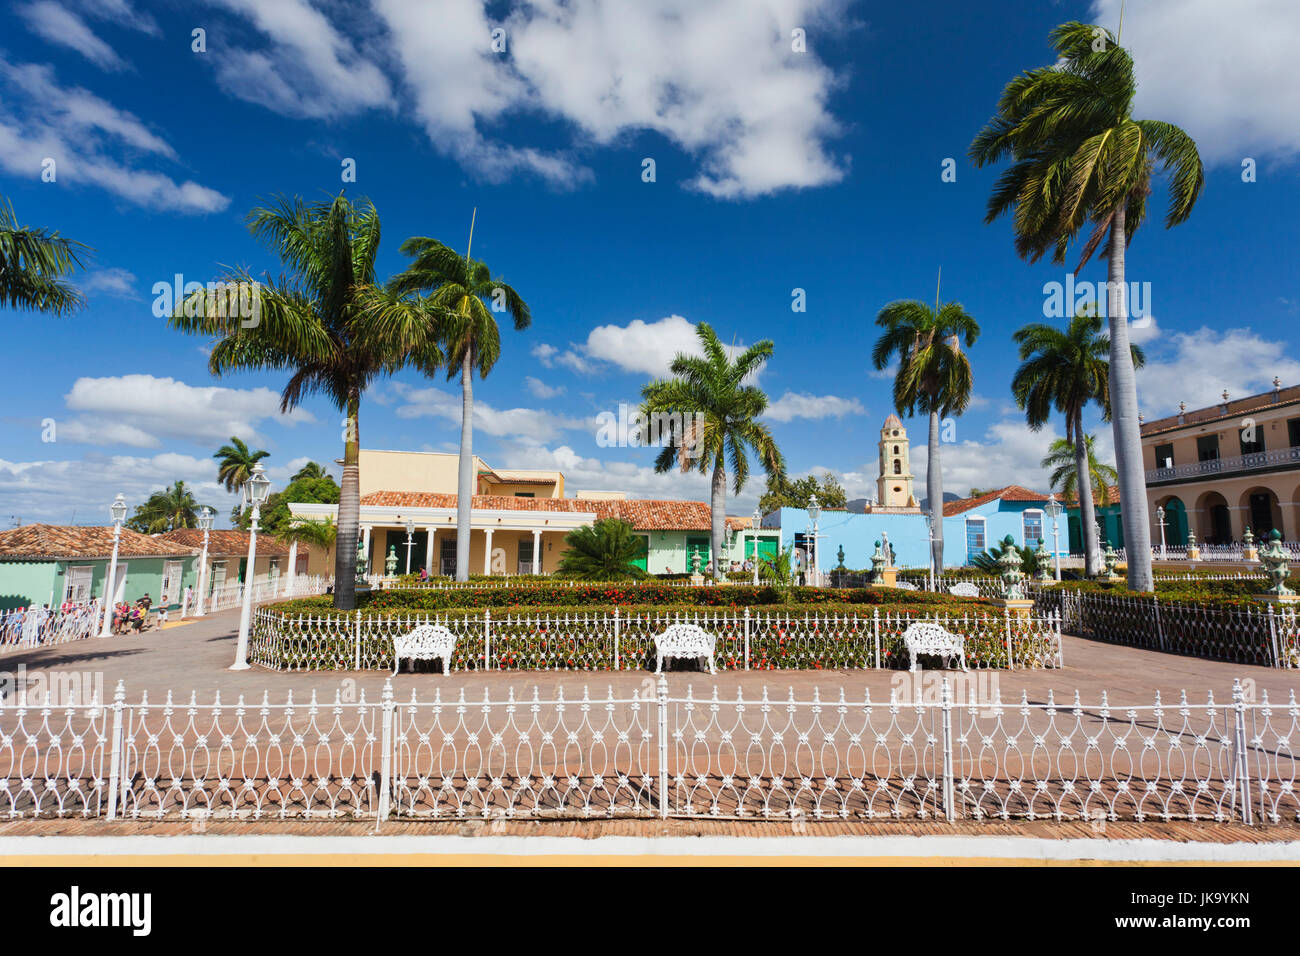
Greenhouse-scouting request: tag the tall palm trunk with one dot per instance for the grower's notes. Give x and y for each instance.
(465, 477)
(717, 514)
(934, 492)
(345, 557)
(1083, 488)
(1124, 415)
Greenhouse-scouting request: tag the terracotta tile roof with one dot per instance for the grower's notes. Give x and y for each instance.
(49, 541)
(1252, 403)
(1009, 493)
(1112, 498)
(644, 515)
(226, 543)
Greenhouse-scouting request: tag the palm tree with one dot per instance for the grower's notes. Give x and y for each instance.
(315, 534)
(934, 376)
(1064, 462)
(1064, 371)
(310, 470)
(604, 551)
(314, 323)
(711, 393)
(459, 317)
(33, 263)
(235, 464)
(1079, 157)
(166, 510)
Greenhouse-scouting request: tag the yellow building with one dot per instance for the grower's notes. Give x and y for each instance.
(518, 519)
(1228, 467)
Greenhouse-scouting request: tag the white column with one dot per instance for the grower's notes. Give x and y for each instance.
(365, 546)
(293, 567)
(487, 551)
(537, 552)
(429, 551)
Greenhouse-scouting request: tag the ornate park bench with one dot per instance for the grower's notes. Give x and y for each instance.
(905, 586)
(424, 644)
(964, 589)
(685, 640)
(926, 637)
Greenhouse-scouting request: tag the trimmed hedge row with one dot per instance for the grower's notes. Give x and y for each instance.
(1223, 594)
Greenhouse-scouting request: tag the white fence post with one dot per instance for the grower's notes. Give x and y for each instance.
(662, 697)
(616, 667)
(746, 637)
(357, 642)
(1240, 760)
(115, 758)
(875, 629)
(386, 761)
(1272, 636)
(949, 811)
(487, 638)
(1006, 616)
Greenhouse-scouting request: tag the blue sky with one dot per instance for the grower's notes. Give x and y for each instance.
(775, 171)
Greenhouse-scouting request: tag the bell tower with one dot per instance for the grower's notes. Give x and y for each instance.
(894, 486)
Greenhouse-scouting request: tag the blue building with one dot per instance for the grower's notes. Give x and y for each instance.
(973, 525)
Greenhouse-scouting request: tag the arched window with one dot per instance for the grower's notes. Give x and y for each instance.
(895, 449)
(898, 467)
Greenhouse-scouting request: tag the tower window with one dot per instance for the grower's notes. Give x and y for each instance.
(898, 467)
(895, 449)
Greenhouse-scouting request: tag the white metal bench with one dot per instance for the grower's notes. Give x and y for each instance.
(964, 589)
(424, 644)
(904, 586)
(926, 637)
(685, 640)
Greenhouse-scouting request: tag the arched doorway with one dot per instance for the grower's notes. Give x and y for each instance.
(1214, 523)
(1175, 521)
(1261, 510)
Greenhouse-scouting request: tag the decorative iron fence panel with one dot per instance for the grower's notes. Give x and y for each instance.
(925, 753)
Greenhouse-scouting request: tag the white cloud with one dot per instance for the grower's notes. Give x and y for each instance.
(642, 347)
(80, 490)
(527, 425)
(1224, 72)
(1195, 367)
(115, 282)
(540, 389)
(60, 26)
(309, 68)
(121, 13)
(794, 405)
(40, 120)
(142, 410)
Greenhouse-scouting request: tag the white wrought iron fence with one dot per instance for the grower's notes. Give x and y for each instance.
(36, 626)
(266, 588)
(652, 753)
(746, 639)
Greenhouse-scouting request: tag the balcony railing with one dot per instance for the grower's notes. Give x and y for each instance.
(1219, 466)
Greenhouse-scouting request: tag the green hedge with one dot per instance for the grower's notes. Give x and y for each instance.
(1223, 594)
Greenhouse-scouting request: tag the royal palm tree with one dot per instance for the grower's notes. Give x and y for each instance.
(456, 292)
(1078, 157)
(604, 551)
(310, 470)
(934, 377)
(1064, 464)
(1064, 371)
(33, 266)
(314, 323)
(173, 507)
(712, 415)
(315, 534)
(235, 464)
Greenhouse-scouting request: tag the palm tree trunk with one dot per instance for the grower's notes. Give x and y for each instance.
(934, 492)
(1124, 424)
(345, 568)
(465, 477)
(718, 514)
(1083, 488)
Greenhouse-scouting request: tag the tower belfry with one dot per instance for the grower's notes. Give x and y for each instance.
(894, 485)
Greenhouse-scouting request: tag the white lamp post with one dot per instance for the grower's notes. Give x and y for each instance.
(929, 564)
(118, 510)
(1160, 519)
(758, 517)
(256, 489)
(1054, 510)
(815, 512)
(206, 516)
(410, 540)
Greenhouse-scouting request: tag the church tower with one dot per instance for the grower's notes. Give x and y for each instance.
(894, 486)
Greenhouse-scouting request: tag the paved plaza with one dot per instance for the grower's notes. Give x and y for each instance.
(194, 656)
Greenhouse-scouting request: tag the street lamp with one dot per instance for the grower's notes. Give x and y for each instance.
(118, 510)
(206, 516)
(929, 564)
(814, 512)
(1160, 519)
(410, 540)
(758, 518)
(256, 489)
(1054, 510)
